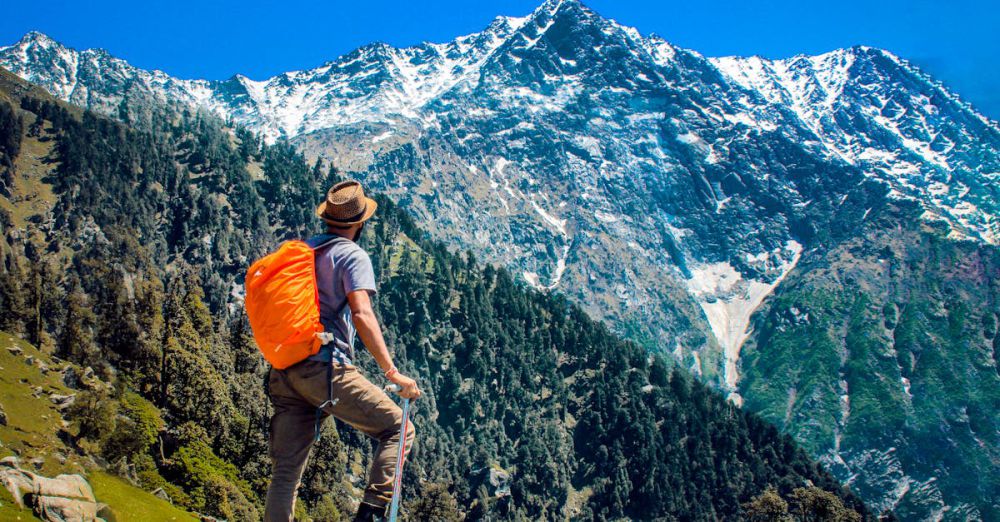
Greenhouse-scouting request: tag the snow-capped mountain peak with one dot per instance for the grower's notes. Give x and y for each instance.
(877, 111)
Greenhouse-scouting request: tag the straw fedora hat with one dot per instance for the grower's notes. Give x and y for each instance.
(346, 205)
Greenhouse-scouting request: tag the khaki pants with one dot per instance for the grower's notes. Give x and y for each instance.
(296, 392)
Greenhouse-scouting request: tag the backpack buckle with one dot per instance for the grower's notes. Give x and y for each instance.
(324, 337)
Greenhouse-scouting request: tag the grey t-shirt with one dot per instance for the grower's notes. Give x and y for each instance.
(341, 268)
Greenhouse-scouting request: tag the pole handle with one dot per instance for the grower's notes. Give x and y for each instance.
(393, 387)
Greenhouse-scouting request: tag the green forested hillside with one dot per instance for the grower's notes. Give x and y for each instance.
(884, 351)
(123, 250)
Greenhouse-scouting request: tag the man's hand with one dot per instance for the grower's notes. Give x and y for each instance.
(408, 387)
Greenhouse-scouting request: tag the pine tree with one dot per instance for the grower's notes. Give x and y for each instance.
(816, 505)
(767, 507)
(435, 503)
(77, 337)
(14, 307)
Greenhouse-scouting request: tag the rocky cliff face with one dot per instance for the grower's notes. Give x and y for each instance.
(667, 193)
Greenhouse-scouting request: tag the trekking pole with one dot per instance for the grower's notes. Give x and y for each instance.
(397, 480)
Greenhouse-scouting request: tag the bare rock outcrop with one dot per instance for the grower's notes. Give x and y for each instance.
(65, 498)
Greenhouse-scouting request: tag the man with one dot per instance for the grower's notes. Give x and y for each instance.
(328, 383)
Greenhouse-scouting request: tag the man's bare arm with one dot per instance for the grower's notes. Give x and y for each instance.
(370, 333)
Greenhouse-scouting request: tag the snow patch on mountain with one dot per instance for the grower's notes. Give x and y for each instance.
(605, 217)
(558, 224)
(728, 300)
(382, 137)
(534, 279)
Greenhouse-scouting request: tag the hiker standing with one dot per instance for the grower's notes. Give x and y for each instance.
(328, 383)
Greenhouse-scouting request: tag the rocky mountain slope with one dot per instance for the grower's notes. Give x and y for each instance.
(667, 193)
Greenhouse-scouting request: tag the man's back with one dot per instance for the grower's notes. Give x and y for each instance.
(342, 267)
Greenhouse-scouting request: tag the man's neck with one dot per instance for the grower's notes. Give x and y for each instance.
(346, 234)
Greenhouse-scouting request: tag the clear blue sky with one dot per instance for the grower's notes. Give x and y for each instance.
(956, 41)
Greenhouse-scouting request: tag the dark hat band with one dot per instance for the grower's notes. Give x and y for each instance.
(348, 220)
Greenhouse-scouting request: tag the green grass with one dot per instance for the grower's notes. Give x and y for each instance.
(31, 196)
(33, 423)
(132, 504)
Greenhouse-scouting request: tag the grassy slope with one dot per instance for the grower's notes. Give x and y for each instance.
(132, 504)
(34, 423)
(31, 198)
(33, 429)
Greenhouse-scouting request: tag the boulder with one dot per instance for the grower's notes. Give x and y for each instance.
(123, 469)
(62, 401)
(15, 349)
(22, 483)
(160, 493)
(105, 513)
(71, 377)
(84, 379)
(500, 480)
(65, 498)
(3, 416)
(61, 509)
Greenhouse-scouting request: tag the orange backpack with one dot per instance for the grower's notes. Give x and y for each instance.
(282, 302)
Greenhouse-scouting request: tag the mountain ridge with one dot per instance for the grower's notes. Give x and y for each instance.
(547, 8)
(262, 104)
